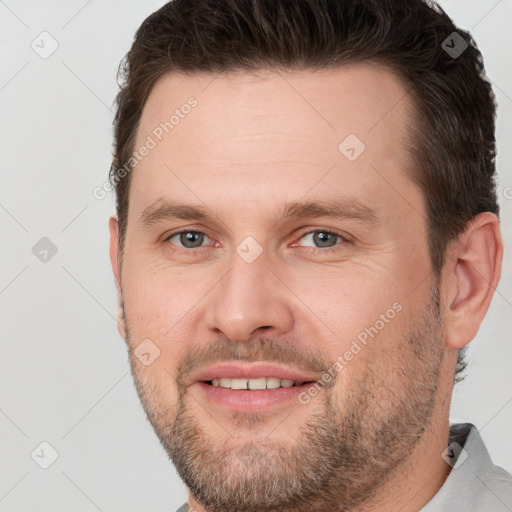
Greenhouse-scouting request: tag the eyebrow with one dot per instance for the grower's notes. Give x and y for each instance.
(347, 209)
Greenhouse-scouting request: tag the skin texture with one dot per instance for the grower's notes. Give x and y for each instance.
(370, 439)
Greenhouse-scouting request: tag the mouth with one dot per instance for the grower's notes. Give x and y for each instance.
(254, 384)
(252, 387)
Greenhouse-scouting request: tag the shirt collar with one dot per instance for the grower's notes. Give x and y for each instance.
(474, 483)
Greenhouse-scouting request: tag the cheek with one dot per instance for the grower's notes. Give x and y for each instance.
(159, 305)
(369, 328)
(155, 297)
(152, 309)
(356, 309)
(158, 392)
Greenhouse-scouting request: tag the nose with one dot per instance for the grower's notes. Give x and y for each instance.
(250, 301)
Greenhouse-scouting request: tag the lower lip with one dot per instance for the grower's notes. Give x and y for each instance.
(245, 400)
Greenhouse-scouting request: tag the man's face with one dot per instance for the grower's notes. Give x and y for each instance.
(247, 296)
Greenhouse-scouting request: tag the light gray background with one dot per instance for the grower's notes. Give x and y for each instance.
(64, 369)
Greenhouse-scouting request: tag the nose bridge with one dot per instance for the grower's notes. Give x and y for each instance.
(250, 297)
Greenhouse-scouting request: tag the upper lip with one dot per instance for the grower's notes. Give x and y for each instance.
(250, 370)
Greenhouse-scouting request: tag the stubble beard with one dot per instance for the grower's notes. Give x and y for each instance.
(338, 461)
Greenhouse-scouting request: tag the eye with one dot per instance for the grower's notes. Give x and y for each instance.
(188, 239)
(322, 238)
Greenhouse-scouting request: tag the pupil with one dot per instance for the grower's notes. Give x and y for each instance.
(188, 238)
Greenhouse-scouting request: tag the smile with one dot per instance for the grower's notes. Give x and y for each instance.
(254, 384)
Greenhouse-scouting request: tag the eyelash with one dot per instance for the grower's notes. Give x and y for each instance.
(344, 239)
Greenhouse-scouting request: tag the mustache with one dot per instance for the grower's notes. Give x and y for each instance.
(256, 349)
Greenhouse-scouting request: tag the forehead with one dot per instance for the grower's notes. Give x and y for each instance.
(272, 133)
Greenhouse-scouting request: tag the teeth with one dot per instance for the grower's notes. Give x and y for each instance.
(261, 383)
(257, 383)
(273, 383)
(238, 383)
(225, 383)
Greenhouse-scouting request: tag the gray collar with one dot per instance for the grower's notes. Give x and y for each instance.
(474, 484)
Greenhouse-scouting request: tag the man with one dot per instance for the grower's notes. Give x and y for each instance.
(306, 240)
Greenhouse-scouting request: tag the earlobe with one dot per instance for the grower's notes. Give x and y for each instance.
(471, 275)
(115, 262)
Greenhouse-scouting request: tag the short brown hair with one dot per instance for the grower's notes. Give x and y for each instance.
(453, 138)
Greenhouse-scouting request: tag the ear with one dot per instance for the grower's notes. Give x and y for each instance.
(470, 276)
(116, 267)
